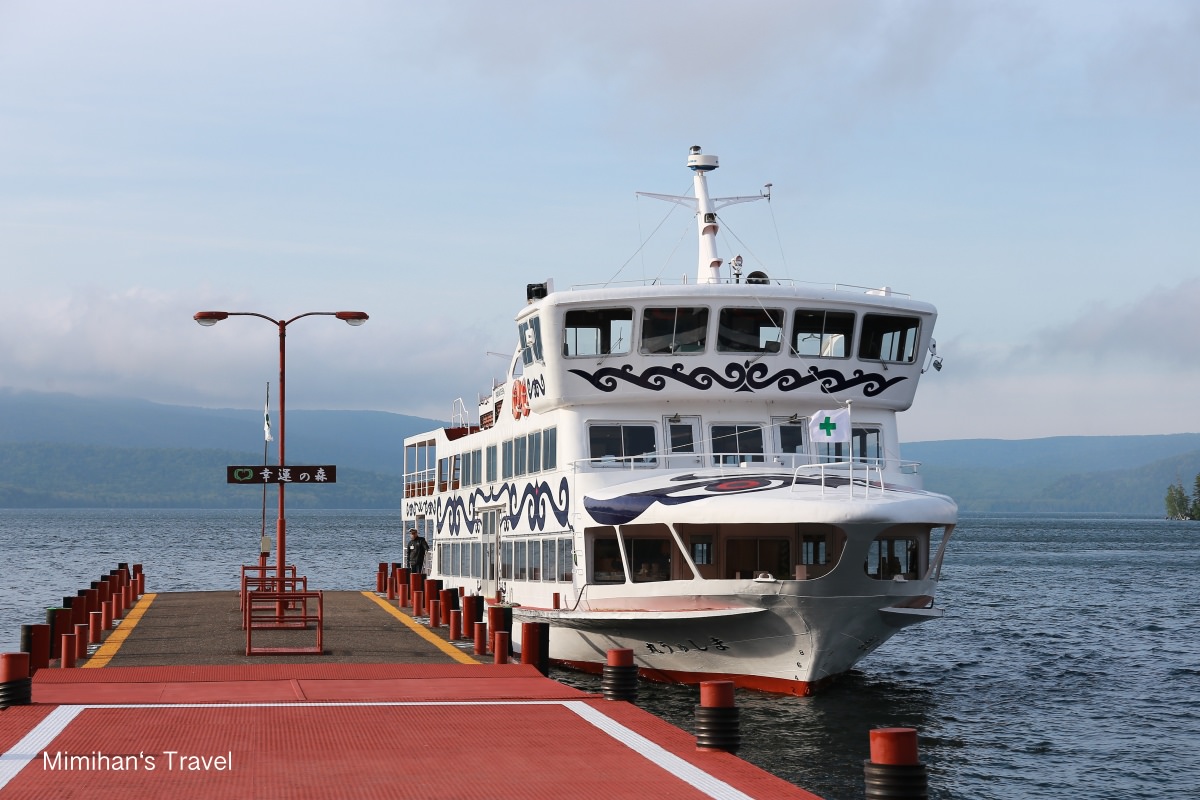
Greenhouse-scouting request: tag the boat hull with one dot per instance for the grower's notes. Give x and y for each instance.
(781, 642)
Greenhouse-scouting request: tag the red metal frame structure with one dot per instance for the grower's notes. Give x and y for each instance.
(210, 318)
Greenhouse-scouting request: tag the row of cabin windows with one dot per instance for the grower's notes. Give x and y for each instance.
(523, 455)
(526, 559)
(636, 443)
(658, 559)
(684, 330)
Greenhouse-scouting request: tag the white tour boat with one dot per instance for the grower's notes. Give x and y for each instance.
(705, 473)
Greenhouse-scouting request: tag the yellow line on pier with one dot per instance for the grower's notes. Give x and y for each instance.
(113, 643)
(422, 631)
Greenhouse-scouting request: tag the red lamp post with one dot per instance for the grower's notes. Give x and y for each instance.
(210, 318)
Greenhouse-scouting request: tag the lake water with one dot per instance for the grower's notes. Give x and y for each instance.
(1067, 666)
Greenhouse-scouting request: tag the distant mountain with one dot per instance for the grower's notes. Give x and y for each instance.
(366, 440)
(63, 450)
(1110, 474)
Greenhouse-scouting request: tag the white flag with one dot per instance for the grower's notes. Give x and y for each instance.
(267, 422)
(830, 426)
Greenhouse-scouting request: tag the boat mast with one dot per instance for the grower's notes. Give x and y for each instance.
(708, 270)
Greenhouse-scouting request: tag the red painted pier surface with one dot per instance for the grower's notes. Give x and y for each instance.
(332, 726)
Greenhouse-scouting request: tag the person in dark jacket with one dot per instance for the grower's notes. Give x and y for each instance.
(417, 548)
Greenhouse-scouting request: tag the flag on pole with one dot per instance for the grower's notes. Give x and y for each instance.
(830, 426)
(267, 419)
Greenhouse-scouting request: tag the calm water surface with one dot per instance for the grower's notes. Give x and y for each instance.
(1067, 666)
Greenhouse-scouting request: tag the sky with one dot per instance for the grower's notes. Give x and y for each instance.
(1031, 168)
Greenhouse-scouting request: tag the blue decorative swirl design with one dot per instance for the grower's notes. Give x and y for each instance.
(744, 377)
(531, 502)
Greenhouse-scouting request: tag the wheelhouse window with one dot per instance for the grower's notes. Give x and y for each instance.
(750, 330)
(890, 558)
(621, 444)
(597, 331)
(822, 334)
(670, 331)
(733, 444)
(889, 338)
(529, 335)
(535, 451)
(866, 444)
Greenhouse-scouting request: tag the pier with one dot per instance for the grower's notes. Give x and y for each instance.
(168, 701)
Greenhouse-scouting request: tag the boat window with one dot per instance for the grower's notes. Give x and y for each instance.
(520, 447)
(419, 468)
(598, 331)
(606, 560)
(746, 557)
(535, 559)
(890, 557)
(549, 559)
(529, 335)
(650, 559)
(476, 559)
(519, 560)
(535, 452)
(669, 331)
(733, 444)
(550, 448)
(790, 442)
(822, 334)
(621, 445)
(889, 338)
(506, 458)
(491, 464)
(750, 330)
(702, 550)
(866, 444)
(683, 437)
(506, 560)
(566, 559)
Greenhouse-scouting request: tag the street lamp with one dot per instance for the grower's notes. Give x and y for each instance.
(210, 318)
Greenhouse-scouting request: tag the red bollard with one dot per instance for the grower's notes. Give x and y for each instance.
(717, 718)
(500, 648)
(67, 651)
(619, 679)
(895, 769)
(381, 577)
(535, 645)
(455, 624)
(106, 614)
(391, 587)
(435, 613)
(403, 600)
(95, 626)
(141, 583)
(81, 641)
(39, 647)
(557, 600)
(481, 638)
(418, 604)
(16, 688)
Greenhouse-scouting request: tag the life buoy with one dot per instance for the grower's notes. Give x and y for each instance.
(520, 400)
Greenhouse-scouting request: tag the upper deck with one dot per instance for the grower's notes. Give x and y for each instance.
(721, 341)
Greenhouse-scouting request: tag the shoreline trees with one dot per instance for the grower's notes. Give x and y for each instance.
(1179, 506)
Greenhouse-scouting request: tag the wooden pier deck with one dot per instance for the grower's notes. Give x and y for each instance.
(170, 705)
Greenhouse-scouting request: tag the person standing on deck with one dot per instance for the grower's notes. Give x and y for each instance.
(417, 548)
